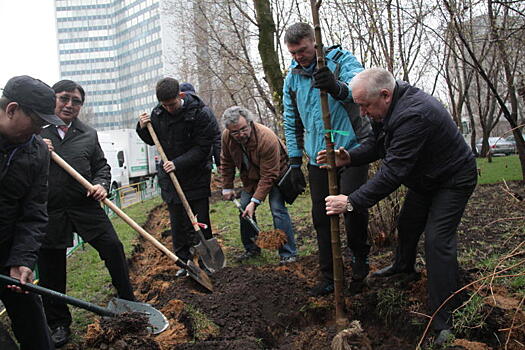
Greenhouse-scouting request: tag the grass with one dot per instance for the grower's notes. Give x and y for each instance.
(501, 168)
(391, 303)
(202, 327)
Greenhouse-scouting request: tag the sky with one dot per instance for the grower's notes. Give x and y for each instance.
(28, 37)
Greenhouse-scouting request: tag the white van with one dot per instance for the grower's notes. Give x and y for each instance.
(115, 158)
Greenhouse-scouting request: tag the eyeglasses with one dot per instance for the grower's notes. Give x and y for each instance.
(241, 130)
(74, 101)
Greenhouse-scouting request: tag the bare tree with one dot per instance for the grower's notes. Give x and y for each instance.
(501, 28)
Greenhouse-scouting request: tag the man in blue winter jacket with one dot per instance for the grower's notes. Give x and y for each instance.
(304, 131)
(421, 148)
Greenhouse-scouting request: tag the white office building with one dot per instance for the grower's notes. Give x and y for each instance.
(113, 48)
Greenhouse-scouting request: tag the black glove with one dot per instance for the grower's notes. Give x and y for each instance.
(325, 80)
(298, 180)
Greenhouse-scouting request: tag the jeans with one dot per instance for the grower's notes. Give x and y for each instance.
(281, 221)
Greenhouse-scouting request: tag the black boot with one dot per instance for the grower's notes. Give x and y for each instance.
(390, 271)
(60, 335)
(323, 288)
(360, 268)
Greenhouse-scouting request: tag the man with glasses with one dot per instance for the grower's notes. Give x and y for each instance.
(261, 159)
(186, 128)
(71, 209)
(26, 105)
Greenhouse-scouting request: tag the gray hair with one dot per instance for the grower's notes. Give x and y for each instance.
(232, 115)
(297, 32)
(374, 80)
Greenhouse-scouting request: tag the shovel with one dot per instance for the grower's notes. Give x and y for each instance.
(247, 218)
(157, 321)
(208, 250)
(194, 271)
(272, 235)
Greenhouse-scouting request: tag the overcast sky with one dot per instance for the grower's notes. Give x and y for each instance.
(28, 37)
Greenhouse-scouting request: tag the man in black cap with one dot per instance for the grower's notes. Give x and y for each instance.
(216, 148)
(72, 210)
(26, 106)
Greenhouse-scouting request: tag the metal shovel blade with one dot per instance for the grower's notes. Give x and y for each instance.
(210, 253)
(195, 272)
(156, 319)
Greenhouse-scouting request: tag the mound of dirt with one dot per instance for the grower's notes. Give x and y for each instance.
(127, 331)
(268, 307)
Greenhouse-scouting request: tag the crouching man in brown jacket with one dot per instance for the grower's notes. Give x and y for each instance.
(261, 159)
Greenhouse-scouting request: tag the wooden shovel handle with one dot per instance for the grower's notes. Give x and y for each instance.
(174, 179)
(64, 165)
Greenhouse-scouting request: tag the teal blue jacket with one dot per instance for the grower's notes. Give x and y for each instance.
(303, 122)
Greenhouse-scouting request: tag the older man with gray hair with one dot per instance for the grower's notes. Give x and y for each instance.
(262, 159)
(422, 149)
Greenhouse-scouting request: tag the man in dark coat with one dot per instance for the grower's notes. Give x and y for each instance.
(216, 148)
(422, 149)
(71, 210)
(186, 128)
(26, 106)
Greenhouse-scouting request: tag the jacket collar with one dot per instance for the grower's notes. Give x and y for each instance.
(398, 90)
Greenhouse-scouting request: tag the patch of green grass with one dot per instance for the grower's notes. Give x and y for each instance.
(469, 317)
(203, 328)
(501, 168)
(391, 303)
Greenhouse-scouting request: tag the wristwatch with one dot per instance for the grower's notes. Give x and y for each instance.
(349, 206)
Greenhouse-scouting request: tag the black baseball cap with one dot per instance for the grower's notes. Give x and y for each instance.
(35, 95)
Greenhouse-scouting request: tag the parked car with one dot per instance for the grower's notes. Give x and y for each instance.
(513, 141)
(498, 145)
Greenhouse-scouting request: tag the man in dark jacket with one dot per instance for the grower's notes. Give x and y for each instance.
(216, 148)
(71, 210)
(26, 106)
(186, 129)
(422, 149)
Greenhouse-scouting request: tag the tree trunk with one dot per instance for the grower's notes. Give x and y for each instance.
(267, 51)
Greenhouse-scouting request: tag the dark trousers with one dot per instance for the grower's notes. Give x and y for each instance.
(182, 231)
(438, 215)
(356, 223)
(27, 319)
(52, 269)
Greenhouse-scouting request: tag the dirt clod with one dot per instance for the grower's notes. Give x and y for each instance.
(273, 239)
(127, 331)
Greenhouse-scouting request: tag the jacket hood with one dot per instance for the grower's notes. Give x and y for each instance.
(192, 101)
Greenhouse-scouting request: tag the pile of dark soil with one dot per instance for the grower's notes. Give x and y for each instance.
(268, 307)
(127, 331)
